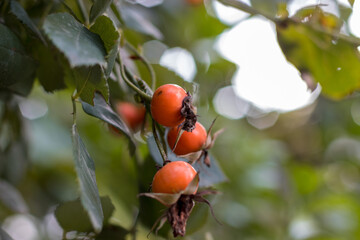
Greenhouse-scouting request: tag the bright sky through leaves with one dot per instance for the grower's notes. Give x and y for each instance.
(264, 76)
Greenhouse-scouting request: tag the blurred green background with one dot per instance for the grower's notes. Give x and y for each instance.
(290, 174)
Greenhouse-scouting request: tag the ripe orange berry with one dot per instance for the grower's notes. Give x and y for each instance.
(189, 141)
(133, 115)
(166, 105)
(174, 177)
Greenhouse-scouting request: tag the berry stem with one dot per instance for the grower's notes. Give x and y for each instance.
(83, 11)
(158, 143)
(146, 63)
(73, 99)
(129, 83)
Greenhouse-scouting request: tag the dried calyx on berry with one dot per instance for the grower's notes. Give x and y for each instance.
(188, 111)
(179, 206)
(210, 141)
(203, 153)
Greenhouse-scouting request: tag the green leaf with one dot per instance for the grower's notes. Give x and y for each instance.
(334, 64)
(4, 235)
(11, 198)
(71, 215)
(134, 19)
(351, 2)
(12, 59)
(197, 23)
(89, 193)
(89, 80)
(345, 12)
(20, 13)
(106, 29)
(98, 8)
(80, 46)
(23, 87)
(50, 72)
(269, 7)
(103, 111)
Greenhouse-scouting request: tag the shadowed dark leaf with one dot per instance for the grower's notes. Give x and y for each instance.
(89, 193)
(21, 14)
(98, 8)
(72, 217)
(103, 111)
(106, 29)
(13, 58)
(80, 46)
(89, 80)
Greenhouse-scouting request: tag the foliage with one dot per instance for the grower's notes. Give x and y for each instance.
(56, 55)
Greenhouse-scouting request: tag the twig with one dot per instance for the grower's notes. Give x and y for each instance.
(146, 63)
(129, 83)
(83, 11)
(246, 8)
(158, 143)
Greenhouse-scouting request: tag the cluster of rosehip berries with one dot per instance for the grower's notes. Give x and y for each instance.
(171, 106)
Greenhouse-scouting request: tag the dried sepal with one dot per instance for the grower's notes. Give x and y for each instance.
(166, 199)
(159, 222)
(169, 199)
(213, 138)
(199, 198)
(192, 157)
(177, 139)
(162, 222)
(193, 186)
(180, 206)
(203, 153)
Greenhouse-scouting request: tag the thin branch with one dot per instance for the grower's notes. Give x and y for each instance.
(73, 99)
(246, 8)
(146, 63)
(158, 143)
(333, 34)
(129, 83)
